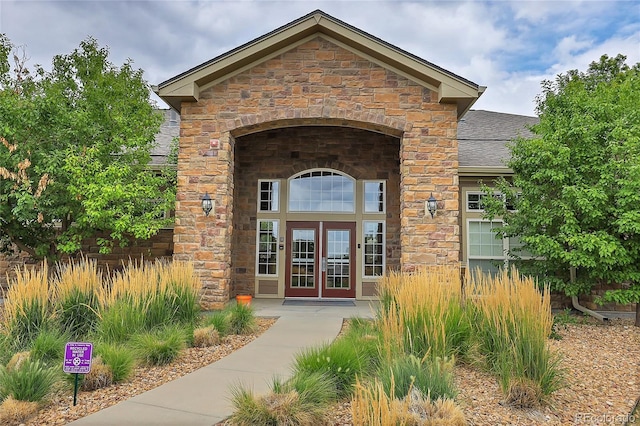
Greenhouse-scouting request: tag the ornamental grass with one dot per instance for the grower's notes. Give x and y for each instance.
(511, 323)
(167, 292)
(423, 313)
(77, 292)
(27, 306)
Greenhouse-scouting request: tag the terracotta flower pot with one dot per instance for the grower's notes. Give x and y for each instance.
(244, 299)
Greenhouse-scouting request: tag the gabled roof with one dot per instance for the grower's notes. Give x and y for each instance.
(483, 138)
(451, 88)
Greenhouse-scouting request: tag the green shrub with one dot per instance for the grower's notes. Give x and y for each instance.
(159, 347)
(220, 321)
(181, 288)
(120, 360)
(432, 377)
(158, 310)
(31, 381)
(340, 360)
(185, 304)
(242, 320)
(48, 346)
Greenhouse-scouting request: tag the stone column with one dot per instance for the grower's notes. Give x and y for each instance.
(429, 164)
(205, 166)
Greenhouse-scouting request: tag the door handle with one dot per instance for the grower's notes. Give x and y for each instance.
(324, 264)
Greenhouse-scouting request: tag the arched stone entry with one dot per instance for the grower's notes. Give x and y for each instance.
(275, 155)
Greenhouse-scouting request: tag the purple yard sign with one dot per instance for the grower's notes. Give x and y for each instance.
(77, 357)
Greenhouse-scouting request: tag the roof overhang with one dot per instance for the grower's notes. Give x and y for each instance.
(450, 87)
(464, 171)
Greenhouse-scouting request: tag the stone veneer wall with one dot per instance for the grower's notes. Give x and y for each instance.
(315, 83)
(281, 153)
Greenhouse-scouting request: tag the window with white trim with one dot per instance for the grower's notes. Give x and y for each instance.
(322, 191)
(474, 201)
(267, 248)
(374, 248)
(489, 251)
(268, 195)
(485, 248)
(374, 196)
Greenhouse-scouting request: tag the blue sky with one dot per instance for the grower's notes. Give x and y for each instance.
(508, 46)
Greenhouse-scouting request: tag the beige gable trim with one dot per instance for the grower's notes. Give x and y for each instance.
(451, 88)
(484, 171)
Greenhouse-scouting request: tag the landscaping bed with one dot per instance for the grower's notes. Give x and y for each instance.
(61, 411)
(602, 383)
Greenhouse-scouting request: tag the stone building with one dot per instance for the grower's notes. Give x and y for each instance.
(320, 146)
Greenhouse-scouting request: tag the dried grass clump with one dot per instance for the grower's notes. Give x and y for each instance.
(99, 377)
(17, 360)
(420, 411)
(205, 336)
(14, 412)
(523, 393)
(371, 406)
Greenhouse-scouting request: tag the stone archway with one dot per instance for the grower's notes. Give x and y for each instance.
(277, 154)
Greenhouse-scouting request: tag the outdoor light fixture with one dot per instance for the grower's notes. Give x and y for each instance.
(431, 205)
(207, 204)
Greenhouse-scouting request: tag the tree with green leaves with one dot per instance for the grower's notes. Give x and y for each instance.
(576, 185)
(75, 147)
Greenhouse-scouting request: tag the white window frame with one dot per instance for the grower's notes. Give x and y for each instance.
(279, 196)
(384, 196)
(384, 248)
(277, 250)
(481, 194)
(506, 246)
(338, 172)
(505, 243)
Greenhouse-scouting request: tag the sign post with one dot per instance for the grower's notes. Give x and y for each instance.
(77, 360)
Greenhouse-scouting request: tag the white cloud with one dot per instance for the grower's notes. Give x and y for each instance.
(509, 46)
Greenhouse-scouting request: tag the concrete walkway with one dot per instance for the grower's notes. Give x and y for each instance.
(202, 397)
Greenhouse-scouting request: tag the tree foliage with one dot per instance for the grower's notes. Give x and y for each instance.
(576, 185)
(75, 147)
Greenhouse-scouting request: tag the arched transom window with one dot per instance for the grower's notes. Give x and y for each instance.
(322, 191)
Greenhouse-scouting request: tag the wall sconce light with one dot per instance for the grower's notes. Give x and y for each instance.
(431, 205)
(207, 204)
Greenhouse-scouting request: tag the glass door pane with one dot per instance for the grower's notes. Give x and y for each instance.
(338, 254)
(338, 259)
(303, 258)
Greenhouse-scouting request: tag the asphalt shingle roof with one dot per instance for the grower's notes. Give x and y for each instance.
(483, 135)
(169, 129)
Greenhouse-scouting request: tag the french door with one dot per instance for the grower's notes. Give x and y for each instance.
(320, 259)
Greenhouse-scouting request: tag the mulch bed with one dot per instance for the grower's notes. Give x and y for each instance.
(602, 382)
